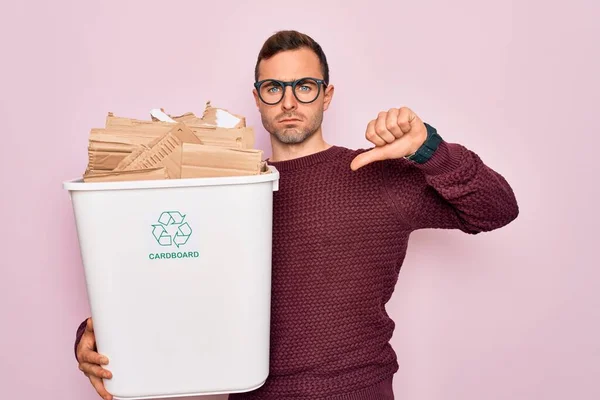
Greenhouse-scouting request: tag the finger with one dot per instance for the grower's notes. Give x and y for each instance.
(99, 386)
(381, 129)
(372, 136)
(89, 326)
(95, 370)
(391, 123)
(376, 154)
(93, 357)
(405, 117)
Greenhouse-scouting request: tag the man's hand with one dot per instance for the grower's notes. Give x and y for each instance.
(90, 362)
(396, 133)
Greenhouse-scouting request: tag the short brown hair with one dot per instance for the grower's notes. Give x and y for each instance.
(291, 40)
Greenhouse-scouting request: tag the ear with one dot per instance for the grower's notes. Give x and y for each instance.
(328, 97)
(256, 99)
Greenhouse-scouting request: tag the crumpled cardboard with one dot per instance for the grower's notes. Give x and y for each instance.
(212, 117)
(173, 147)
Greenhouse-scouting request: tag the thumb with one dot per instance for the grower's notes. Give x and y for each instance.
(375, 154)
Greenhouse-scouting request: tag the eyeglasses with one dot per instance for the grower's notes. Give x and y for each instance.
(306, 90)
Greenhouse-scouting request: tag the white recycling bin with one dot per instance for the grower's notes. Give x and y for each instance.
(178, 274)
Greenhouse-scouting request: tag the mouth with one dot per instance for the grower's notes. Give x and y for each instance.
(288, 120)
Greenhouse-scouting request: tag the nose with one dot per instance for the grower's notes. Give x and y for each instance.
(289, 101)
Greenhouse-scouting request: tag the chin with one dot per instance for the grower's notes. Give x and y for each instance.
(291, 136)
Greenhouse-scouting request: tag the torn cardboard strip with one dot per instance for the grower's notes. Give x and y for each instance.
(222, 118)
(113, 121)
(137, 175)
(212, 117)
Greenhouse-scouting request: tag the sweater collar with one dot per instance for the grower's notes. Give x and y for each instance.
(307, 161)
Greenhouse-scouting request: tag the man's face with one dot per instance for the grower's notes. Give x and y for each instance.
(291, 121)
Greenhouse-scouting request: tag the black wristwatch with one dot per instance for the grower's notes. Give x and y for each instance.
(425, 152)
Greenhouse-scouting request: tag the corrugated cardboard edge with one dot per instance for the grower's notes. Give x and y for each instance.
(127, 161)
(165, 152)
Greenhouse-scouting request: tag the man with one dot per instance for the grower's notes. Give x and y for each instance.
(341, 223)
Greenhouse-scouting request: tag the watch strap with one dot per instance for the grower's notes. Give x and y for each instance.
(428, 148)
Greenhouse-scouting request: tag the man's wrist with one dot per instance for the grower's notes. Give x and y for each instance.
(428, 148)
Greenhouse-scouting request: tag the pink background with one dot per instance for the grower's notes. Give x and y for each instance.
(513, 314)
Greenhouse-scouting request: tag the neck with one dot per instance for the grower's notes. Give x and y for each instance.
(286, 151)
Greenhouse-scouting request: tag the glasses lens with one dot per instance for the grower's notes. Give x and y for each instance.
(307, 90)
(271, 92)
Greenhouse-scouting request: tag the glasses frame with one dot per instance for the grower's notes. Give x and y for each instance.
(292, 84)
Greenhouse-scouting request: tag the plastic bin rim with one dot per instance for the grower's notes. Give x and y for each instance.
(79, 185)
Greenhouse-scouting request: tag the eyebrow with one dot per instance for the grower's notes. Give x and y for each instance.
(293, 79)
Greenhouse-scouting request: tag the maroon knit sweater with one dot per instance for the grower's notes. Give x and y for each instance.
(339, 240)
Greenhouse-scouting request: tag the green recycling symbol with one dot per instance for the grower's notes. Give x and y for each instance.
(171, 229)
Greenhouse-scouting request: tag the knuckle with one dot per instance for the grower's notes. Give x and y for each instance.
(85, 369)
(95, 371)
(382, 114)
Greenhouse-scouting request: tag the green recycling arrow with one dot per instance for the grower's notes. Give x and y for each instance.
(174, 219)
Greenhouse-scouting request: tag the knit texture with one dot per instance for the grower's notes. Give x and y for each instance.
(339, 241)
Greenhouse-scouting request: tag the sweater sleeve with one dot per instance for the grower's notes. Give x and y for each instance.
(454, 189)
(78, 335)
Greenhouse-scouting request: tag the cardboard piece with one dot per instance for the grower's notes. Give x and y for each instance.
(164, 152)
(136, 175)
(212, 117)
(145, 131)
(189, 117)
(107, 150)
(114, 121)
(222, 137)
(200, 161)
(104, 160)
(222, 118)
(126, 162)
(159, 115)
